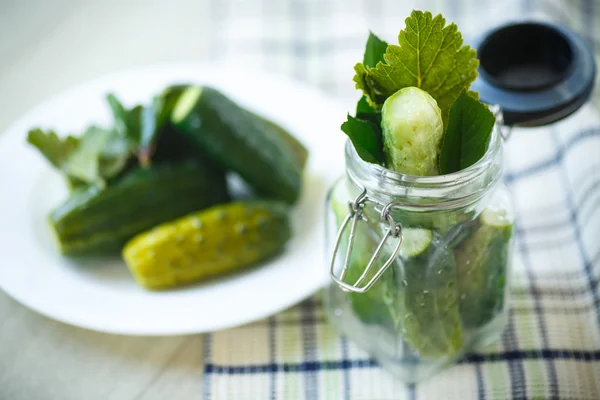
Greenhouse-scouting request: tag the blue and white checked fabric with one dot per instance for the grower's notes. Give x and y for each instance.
(551, 349)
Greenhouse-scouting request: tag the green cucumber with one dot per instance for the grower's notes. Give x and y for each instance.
(209, 243)
(422, 296)
(417, 296)
(412, 132)
(96, 221)
(237, 140)
(171, 145)
(296, 148)
(482, 260)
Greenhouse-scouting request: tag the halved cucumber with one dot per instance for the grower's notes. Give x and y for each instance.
(415, 242)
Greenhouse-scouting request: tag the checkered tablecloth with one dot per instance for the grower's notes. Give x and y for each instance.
(551, 349)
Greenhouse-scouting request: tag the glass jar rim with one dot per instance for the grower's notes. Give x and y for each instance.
(378, 179)
(494, 147)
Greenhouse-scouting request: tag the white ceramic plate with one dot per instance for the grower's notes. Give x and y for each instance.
(100, 294)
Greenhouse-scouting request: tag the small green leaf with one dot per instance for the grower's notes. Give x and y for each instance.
(149, 122)
(366, 138)
(361, 129)
(468, 134)
(114, 155)
(149, 130)
(120, 113)
(127, 122)
(374, 51)
(142, 125)
(83, 164)
(101, 155)
(363, 107)
(374, 54)
(53, 148)
(366, 112)
(133, 123)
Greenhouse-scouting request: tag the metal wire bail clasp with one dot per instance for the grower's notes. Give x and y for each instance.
(356, 215)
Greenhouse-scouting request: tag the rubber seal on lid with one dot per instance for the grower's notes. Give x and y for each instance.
(537, 73)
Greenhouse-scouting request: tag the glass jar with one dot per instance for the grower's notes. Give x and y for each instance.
(428, 263)
(420, 264)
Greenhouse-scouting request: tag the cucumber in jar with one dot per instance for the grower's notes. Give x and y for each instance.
(417, 296)
(422, 296)
(412, 132)
(482, 260)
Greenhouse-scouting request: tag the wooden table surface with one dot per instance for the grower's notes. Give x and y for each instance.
(47, 46)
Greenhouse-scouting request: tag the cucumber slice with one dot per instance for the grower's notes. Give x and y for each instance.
(412, 132)
(496, 218)
(415, 242)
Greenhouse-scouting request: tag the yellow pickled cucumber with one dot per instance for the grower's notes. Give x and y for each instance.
(212, 242)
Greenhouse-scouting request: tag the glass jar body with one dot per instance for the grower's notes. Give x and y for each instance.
(445, 292)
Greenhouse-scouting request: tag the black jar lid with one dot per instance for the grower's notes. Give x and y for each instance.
(537, 73)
